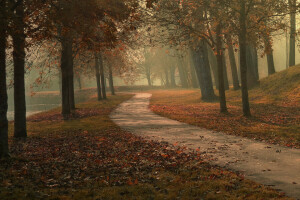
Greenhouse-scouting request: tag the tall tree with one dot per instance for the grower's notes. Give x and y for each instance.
(111, 80)
(4, 152)
(292, 57)
(201, 63)
(98, 78)
(102, 76)
(18, 36)
(243, 57)
(234, 72)
(221, 66)
(66, 55)
(182, 75)
(172, 76)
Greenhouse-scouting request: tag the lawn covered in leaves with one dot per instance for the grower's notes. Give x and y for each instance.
(89, 157)
(275, 107)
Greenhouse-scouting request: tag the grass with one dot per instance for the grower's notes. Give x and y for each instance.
(275, 107)
(89, 157)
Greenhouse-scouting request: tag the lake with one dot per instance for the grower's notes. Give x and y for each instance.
(33, 109)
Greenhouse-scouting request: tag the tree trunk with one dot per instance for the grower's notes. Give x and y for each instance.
(172, 76)
(214, 65)
(185, 72)
(60, 82)
(235, 78)
(66, 109)
(111, 80)
(148, 74)
(4, 152)
(243, 59)
(225, 78)
(221, 66)
(292, 56)
(71, 75)
(99, 93)
(19, 73)
(252, 68)
(167, 77)
(182, 76)
(79, 82)
(193, 76)
(271, 66)
(201, 63)
(102, 76)
(269, 53)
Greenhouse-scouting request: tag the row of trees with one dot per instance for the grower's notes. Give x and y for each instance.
(208, 28)
(73, 28)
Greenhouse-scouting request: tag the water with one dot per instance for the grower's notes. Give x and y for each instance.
(33, 109)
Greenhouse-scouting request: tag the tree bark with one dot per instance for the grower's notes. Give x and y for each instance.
(4, 151)
(214, 65)
(71, 75)
(243, 59)
(97, 71)
(193, 75)
(225, 78)
(271, 65)
(182, 76)
(79, 81)
(292, 60)
(221, 66)
(269, 53)
(111, 80)
(201, 63)
(252, 68)
(102, 76)
(234, 72)
(148, 74)
(172, 76)
(66, 108)
(167, 76)
(19, 72)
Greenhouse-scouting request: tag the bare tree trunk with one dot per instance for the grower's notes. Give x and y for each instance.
(220, 57)
(214, 65)
(71, 75)
(79, 81)
(4, 151)
(235, 78)
(193, 75)
(97, 71)
(60, 82)
(167, 77)
(292, 56)
(271, 65)
(201, 63)
(19, 73)
(269, 53)
(111, 80)
(252, 68)
(182, 76)
(148, 74)
(66, 109)
(226, 82)
(172, 76)
(102, 76)
(243, 59)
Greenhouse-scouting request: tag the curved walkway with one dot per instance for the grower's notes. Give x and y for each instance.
(271, 165)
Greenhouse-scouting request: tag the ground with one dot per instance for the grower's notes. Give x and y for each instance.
(89, 157)
(275, 107)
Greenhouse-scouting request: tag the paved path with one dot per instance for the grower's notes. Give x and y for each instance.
(271, 165)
